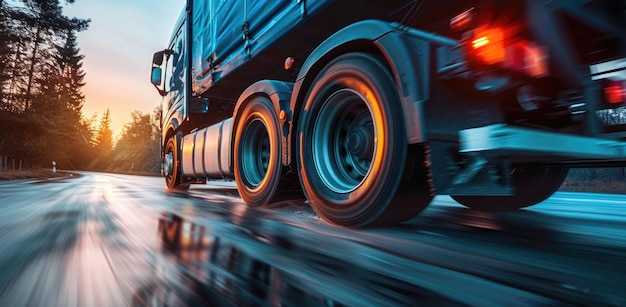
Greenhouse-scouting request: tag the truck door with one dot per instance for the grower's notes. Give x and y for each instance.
(175, 72)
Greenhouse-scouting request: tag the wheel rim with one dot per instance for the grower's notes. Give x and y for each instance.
(344, 141)
(255, 153)
(168, 164)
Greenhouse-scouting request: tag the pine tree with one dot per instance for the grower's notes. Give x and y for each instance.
(67, 90)
(103, 143)
(71, 75)
(41, 80)
(44, 22)
(4, 52)
(8, 41)
(104, 138)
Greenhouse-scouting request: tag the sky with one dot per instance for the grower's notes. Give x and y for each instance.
(118, 48)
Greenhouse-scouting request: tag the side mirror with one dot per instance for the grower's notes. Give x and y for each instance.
(157, 58)
(155, 76)
(157, 73)
(155, 79)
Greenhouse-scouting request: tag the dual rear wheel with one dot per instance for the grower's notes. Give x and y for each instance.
(353, 154)
(354, 163)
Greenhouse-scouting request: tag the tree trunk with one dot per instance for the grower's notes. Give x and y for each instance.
(31, 71)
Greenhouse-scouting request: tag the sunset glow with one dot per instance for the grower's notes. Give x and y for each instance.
(118, 48)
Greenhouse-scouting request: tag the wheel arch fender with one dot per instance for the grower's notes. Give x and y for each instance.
(279, 93)
(407, 53)
(170, 130)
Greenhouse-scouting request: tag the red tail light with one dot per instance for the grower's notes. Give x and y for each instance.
(502, 46)
(614, 92)
(495, 47)
(488, 45)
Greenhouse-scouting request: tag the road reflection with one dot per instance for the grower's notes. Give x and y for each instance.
(222, 264)
(101, 240)
(518, 225)
(212, 270)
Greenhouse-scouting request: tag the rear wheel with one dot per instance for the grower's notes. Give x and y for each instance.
(532, 183)
(258, 167)
(353, 146)
(171, 165)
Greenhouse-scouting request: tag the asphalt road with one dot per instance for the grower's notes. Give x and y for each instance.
(113, 240)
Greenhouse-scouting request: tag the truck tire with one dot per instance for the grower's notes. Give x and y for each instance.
(257, 153)
(532, 183)
(171, 165)
(353, 146)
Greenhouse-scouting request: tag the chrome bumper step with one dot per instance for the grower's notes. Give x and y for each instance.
(501, 139)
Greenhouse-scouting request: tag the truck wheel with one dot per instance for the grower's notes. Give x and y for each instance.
(171, 165)
(532, 183)
(257, 152)
(353, 146)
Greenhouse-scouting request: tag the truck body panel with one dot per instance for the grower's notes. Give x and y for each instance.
(221, 45)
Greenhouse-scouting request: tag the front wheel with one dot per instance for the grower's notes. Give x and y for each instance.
(532, 183)
(171, 165)
(353, 149)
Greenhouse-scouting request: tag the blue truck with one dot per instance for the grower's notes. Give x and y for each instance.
(370, 108)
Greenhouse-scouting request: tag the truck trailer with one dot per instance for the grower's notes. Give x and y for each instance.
(368, 109)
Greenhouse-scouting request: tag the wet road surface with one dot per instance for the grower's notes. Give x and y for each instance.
(113, 240)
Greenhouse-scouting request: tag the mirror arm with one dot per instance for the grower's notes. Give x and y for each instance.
(161, 92)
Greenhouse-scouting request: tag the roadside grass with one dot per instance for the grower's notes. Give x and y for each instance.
(594, 186)
(47, 173)
(30, 173)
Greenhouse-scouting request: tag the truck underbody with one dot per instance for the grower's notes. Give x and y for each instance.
(369, 109)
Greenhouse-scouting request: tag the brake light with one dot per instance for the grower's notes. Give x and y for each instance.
(495, 47)
(488, 45)
(614, 92)
(501, 46)
(480, 42)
